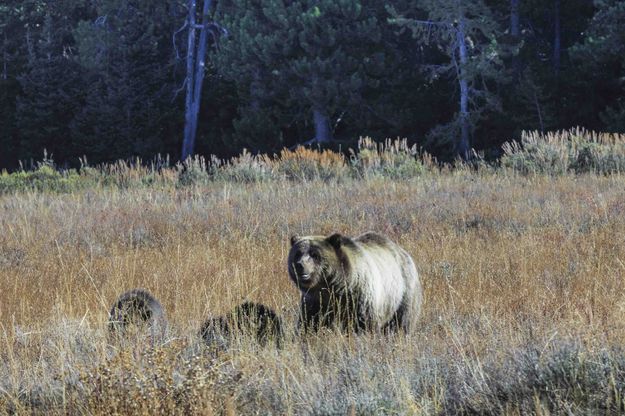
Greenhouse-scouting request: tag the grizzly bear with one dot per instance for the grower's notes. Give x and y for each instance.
(364, 283)
(248, 318)
(137, 307)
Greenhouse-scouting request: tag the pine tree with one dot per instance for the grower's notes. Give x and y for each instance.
(464, 32)
(602, 57)
(550, 30)
(309, 60)
(50, 96)
(128, 96)
(9, 87)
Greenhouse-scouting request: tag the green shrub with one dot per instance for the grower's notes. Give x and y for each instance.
(304, 164)
(575, 151)
(535, 156)
(193, 171)
(45, 178)
(246, 168)
(392, 159)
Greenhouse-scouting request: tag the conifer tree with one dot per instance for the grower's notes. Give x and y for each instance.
(603, 52)
(309, 59)
(50, 96)
(464, 31)
(129, 95)
(9, 86)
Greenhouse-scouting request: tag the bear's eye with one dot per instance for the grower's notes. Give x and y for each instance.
(315, 255)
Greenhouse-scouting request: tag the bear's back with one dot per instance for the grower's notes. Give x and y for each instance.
(381, 274)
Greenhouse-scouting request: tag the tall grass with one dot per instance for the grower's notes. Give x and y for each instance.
(392, 159)
(556, 153)
(523, 280)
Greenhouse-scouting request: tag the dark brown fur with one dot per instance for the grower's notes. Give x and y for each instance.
(136, 307)
(249, 318)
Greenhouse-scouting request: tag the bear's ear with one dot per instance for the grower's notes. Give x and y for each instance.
(336, 240)
(294, 239)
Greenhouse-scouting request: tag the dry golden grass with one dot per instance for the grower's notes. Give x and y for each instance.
(515, 269)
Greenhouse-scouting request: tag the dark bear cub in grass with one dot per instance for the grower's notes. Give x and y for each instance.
(253, 319)
(364, 283)
(137, 307)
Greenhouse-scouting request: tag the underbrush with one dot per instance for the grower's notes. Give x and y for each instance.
(574, 151)
(559, 153)
(392, 159)
(523, 281)
(79, 371)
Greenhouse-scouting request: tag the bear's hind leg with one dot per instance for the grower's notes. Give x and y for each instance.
(397, 322)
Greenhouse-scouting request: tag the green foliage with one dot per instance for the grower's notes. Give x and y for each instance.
(614, 117)
(390, 159)
(575, 151)
(257, 128)
(99, 79)
(45, 179)
(444, 23)
(568, 152)
(535, 156)
(303, 165)
(193, 171)
(50, 95)
(9, 136)
(297, 57)
(604, 47)
(9, 85)
(126, 102)
(245, 168)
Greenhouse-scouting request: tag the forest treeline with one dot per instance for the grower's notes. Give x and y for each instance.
(105, 79)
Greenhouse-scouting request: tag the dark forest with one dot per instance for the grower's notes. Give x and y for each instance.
(101, 80)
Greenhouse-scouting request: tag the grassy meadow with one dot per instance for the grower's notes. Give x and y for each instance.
(523, 276)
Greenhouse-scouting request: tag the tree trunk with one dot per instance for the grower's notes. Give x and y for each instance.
(195, 76)
(5, 59)
(515, 27)
(557, 37)
(200, 69)
(515, 32)
(538, 112)
(188, 140)
(322, 125)
(463, 145)
(255, 88)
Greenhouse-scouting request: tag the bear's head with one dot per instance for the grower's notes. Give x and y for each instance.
(314, 261)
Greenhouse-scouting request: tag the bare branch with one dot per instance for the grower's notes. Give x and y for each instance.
(179, 90)
(183, 27)
(431, 23)
(101, 20)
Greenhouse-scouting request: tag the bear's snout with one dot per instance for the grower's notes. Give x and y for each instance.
(299, 268)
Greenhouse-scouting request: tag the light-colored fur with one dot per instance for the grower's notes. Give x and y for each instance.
(386, 276)
(372, 269)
